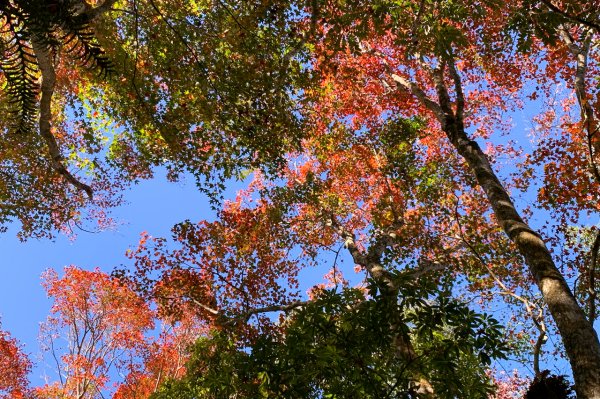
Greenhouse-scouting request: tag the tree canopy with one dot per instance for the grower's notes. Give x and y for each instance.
(379, 132)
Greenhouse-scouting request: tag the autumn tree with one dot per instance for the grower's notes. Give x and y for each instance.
(100, 321)
(378, 131)
(427, 61)
(99, 328)
(14, 367)
(99, 93)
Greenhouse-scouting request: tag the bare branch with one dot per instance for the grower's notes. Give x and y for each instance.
(272, 308)
(210, 310)
(245, 316)
(442, 90)
(537, 349)
(592, 280)
(460, 97)
(426, 266)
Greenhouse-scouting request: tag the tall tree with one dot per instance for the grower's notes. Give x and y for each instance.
(427, 60)
(366, 120)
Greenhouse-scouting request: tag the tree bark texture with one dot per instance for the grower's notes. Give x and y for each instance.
(579, 337)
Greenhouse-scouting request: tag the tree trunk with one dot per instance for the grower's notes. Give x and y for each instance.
(401, 345)
(578, 335)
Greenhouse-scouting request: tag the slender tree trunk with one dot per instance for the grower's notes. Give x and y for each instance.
(401, 345)
(578, 335)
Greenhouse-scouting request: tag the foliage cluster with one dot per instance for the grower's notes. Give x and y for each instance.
(376, 132)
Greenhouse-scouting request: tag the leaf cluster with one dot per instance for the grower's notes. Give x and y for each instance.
(341, 346)
(549, 386)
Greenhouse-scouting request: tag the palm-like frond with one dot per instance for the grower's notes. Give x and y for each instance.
(21, 72)
(79, 41)
(53, 25)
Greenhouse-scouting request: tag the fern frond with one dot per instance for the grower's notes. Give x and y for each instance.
(51, 25)
(20, 69)
(80, 42)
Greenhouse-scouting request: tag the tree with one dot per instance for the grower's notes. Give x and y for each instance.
(138, 101)
(107, 329)
(101, 320)
(440, 78)
(363, 121)
(14, 367)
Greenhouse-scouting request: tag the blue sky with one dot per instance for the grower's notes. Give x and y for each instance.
(153, 206)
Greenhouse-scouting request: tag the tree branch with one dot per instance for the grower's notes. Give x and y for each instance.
(272, 308)
(460, 97)
(48, 78)
(574, 18)
(371, 261)
(245, 316)
(592, 280)
(537, 349)
(588, 120)
(420, 94)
